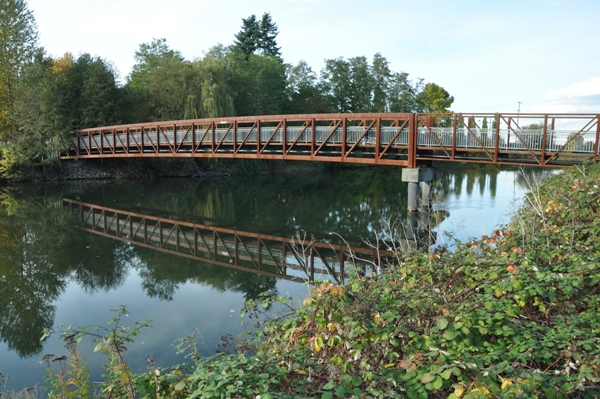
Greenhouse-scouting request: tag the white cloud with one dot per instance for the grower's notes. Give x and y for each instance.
(589, 87)
(581, 97)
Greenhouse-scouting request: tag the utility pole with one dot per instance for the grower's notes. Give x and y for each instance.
(518, 112)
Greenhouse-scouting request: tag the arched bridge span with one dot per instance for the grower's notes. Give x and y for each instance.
(400, 139)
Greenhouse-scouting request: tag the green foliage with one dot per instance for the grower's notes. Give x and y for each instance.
(259, 81)
(355, 86)
(18, 44)
(53, 97)
(258, 36)
(434, 98)
(304, 92)
(73, 381)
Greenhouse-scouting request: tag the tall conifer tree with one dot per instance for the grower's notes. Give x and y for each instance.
(18, 42)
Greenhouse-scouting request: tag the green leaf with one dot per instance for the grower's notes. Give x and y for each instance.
(427, 377)
(179, 386)
(329, 385)
(437, 382)
(442, 323)
(449, 335)
(446, 374)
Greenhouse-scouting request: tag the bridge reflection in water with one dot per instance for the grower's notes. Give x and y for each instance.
(293, 256)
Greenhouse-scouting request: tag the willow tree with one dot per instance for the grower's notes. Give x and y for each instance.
(18, 42)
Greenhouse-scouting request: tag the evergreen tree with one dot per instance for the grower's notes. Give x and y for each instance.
(268, 33)
(247, 40)
(18, 43)
(258, 36)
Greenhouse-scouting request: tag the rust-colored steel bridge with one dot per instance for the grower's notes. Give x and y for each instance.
(400, 139)
(270, 252)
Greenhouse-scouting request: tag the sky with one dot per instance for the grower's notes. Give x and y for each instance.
(490, 55)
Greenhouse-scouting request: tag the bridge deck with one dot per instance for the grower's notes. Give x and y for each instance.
(390, 139)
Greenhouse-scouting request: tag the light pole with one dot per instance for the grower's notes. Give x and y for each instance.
(518, 112)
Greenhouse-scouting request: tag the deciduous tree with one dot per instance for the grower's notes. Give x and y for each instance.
(381, 76)
(336, 76)
(304, 91)
(434, 98)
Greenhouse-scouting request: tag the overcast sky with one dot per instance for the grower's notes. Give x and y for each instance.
(488, 54)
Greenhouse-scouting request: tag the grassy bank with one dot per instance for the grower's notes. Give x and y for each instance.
(512, 314)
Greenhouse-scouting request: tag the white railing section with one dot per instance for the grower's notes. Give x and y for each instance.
(520, 140)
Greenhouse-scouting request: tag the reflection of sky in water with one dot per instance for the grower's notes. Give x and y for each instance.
(198, 309)
(475, 214)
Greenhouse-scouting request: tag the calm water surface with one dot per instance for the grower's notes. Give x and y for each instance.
(53, 273)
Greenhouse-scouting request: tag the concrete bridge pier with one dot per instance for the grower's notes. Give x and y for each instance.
(419, 224)
(416, 177)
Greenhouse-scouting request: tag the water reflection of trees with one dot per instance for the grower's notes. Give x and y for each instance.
(347, 202)
(483, 178)
(41, 252)
(163, 273)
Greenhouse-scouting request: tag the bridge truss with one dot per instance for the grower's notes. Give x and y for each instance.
(401, 139)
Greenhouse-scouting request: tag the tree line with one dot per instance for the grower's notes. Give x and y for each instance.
(42, 98)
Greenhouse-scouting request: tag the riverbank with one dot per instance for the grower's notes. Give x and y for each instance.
(139, 168)
(510, 291)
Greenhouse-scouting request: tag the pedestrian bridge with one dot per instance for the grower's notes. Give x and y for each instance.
(400, 139)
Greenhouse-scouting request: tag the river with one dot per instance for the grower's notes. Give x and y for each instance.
(53, 273)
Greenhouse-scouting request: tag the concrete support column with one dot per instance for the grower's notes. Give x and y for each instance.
(415, 177)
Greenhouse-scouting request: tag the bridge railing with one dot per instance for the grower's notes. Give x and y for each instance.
(395, 139)
(508, 139)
